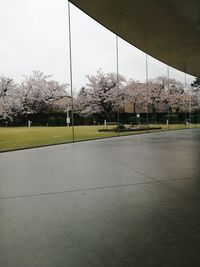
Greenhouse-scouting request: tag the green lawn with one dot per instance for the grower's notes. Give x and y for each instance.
(24, 137)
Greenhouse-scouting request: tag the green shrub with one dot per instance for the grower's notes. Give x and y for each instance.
(172, 118)
(51, 121)
(60, 121)
(133, 120)
(120, 127)
(195, 118)
(56, 121)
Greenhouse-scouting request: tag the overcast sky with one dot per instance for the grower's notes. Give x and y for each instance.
(34, 36)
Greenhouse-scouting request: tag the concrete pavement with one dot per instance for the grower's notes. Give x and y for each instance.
(128, 201)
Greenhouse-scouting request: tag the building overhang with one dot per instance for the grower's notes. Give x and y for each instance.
(168, 30)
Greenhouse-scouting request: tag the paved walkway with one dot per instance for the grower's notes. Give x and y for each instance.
(128, 201)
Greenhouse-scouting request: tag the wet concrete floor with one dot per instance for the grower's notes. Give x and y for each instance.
(128, 201)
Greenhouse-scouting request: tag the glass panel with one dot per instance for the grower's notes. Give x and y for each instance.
(188, 115)
(194, 87)
(178, 108)
(94, 78)
(33, 107)
(157, 95)
(133, 89)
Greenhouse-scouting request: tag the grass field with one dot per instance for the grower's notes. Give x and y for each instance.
(24, 137)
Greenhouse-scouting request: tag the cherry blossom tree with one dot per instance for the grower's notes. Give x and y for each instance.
(102, 95)
(135, 93)
(10, 105)
(40, 93)
(167, 95)
(195, 95)
(82, 102)
(177, 96)
(157, 95)
(36, 94)
(152, 95)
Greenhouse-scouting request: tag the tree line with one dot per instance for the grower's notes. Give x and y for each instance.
(102, 96)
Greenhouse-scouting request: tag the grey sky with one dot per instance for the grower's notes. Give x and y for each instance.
(34, 36)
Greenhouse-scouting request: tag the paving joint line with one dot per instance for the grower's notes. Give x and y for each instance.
(154, 180)
(77, 190)
(133, 169)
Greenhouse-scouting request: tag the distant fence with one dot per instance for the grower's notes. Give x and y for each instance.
(59, 119)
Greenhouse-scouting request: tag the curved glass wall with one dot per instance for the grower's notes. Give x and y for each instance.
(68, 78)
